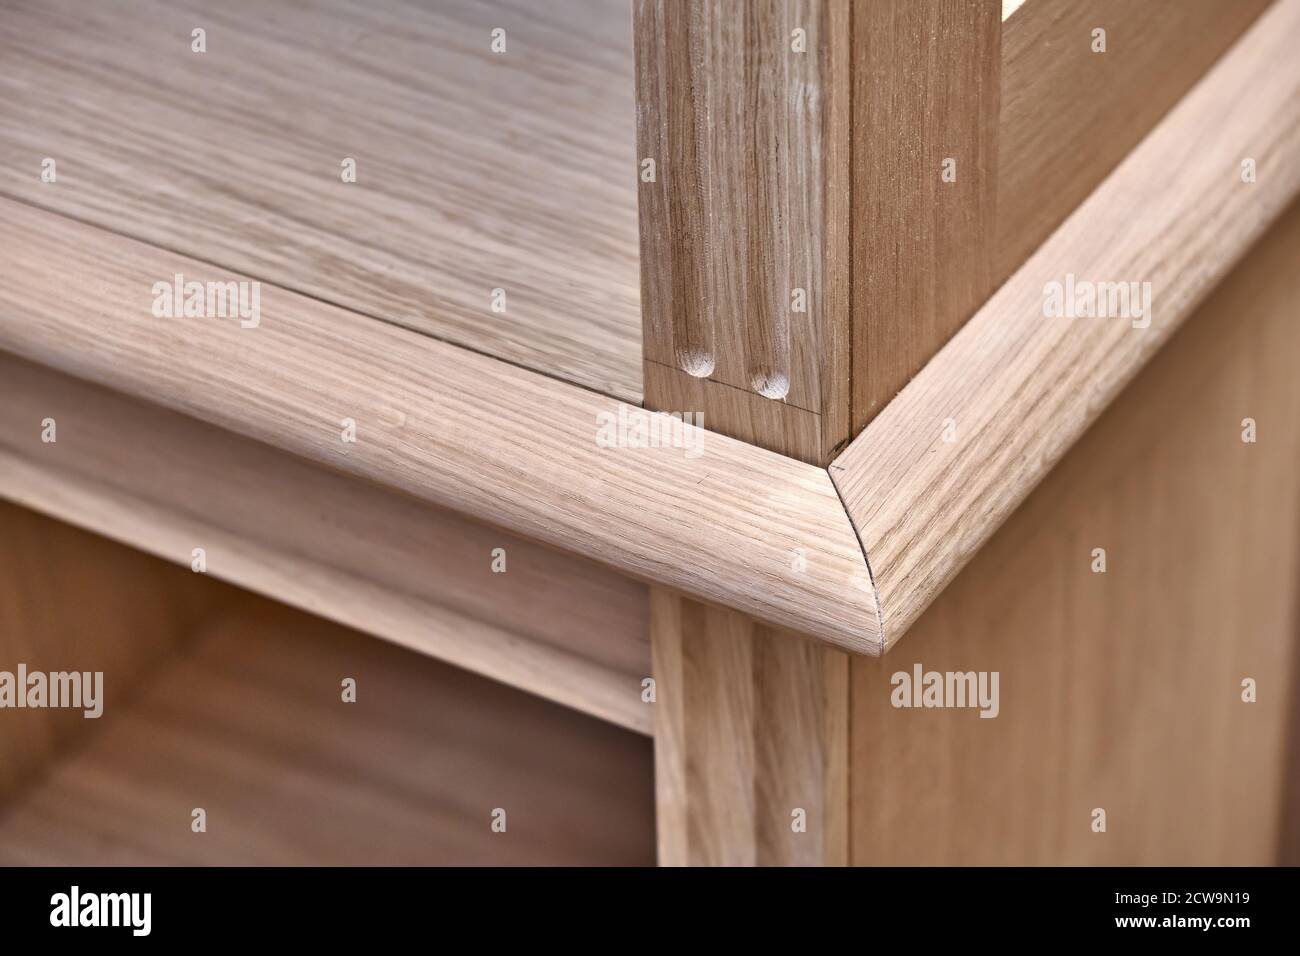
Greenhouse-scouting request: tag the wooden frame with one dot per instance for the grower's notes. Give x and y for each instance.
(1004, 400)
(853, 459)
(1020, 388)
(746, 215)
(459, 441)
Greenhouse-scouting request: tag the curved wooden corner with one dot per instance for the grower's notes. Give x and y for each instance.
(715, 518)
(935, 474)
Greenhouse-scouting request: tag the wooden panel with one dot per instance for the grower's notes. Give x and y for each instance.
(743, 106)
(711, 516)
(374, 559)
(934, 475)
(250, 726)
(70, 601)
(1120, 690)
(925, 93)
(751, 741)
(1069, 114)
(474, 170)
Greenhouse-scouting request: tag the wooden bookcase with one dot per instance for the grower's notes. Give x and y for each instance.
(500, 252)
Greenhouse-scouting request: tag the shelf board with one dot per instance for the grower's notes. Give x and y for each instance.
(247, 723)
(475, 170)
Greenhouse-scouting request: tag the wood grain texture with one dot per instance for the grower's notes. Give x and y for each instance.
(821, 171)
(474, 170)
(751, 726)
(249, 725)
(719, 519)
(1069, 115)
(70, 601)
(1014, 389)
(380, 561)
(1120, 690)
(1012, 93)
(736, 413)
(925, 92)
(744, 107)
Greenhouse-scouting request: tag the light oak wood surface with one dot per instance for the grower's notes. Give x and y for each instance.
(751, 741)
(1069, 115)
(71, 601)
(1121, 690)
(925, 115)
(1015, 388)
(346, 549)
(475, 170)
(753, 531)
(1121, 608)
(895, 168)
(967, 514)
(744, 108)
(248, 723)
(795, 266)
(708, 515)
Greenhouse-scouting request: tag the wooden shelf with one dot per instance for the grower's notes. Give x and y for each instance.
(841, 275)
(475, 170)
(247, 722)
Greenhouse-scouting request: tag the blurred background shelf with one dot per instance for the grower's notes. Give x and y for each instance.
(244, 718)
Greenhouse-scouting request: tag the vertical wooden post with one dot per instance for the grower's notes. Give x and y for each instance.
(816, 215)
(820, 215)
(743, 105)
(751, 741)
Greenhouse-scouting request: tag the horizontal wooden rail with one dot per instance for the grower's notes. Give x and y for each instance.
(342, 548)
(713, 517)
